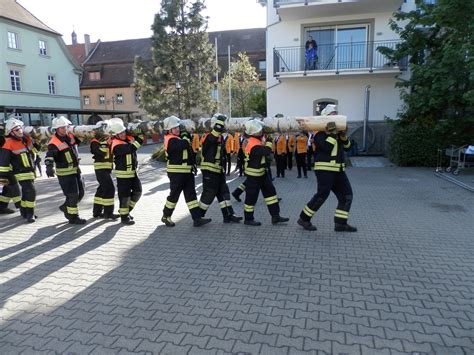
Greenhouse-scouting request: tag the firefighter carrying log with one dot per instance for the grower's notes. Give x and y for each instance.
(256, 155)
(100, 148)
(124, 149)
(62, 152)
(180, 167)
(329, 167)
(213, 174)
(17, 155)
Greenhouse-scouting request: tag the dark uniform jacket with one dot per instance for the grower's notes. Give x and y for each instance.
(125, 156)
(63, 152)
(329, 154)
(101, 154)
(256, 156)
(178, 154)
(17, 156)
(212, 152)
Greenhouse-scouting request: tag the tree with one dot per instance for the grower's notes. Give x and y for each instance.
(181, 53)
(244, 87)
(439, 95)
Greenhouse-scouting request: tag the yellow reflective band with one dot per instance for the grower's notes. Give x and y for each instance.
(215, 168)
(108, 201)
(249, 208)
(269, 144)
(16, 199)
(341, 214)
(72, 210)
(25, 176)
(174, 168)
(5, 169)
(68, 157)
(124, 174)
(271, 200)
(255, 172)
(25, 161)
(347, 145)
(123, 211)
(4, 199)
(128, 161)
(331, 140)
(66, 171)
(98, 201)
(132, 203)
(215, 133)
(193, 204)
(203, 206)
(102, 165)
(34, 150)
(241, 187)
(222, 204)
(185, 155)
(22, 203)
(136, 144)
(28, 204)
(170, 205)
(308, 211)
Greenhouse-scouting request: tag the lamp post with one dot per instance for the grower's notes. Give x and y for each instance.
(178, 88)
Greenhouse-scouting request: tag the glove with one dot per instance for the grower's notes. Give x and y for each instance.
(342, 136)
(50, 171)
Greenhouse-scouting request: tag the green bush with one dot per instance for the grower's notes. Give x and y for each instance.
(413, 145)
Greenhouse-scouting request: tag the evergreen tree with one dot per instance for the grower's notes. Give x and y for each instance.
(438, 40)
(181, 53)
(244, 86)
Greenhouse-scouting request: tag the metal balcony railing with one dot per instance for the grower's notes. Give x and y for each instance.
(278, 3)
(335, 57)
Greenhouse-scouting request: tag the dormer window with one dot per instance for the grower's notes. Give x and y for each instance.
(94, 75)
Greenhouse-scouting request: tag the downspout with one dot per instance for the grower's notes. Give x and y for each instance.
(366, 118)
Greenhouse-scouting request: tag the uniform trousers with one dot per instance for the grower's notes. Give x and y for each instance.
(73, 189)
(255, 184)
(182, 182)
(28, 198)
(104, 196)
(129, 192)
(215, 185)
(339, 184)
(10, 192)
(301, 163)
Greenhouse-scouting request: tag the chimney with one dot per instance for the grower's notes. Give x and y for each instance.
(87, 41)
(74, 37)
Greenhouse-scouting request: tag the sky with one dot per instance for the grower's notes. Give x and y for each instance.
(111, 20)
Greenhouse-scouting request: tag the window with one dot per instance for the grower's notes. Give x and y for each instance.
(15, 80)
(262, 65)
(119, 99)
(87, 100)
(340, 46)
(101, 99)
(51, 85)
(94, 75)
(13, 40)
(319, 105)
(138, 97)
(42, 47)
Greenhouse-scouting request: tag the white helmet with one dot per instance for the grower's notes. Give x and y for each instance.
(329, 109)
(253, 128)
(59, 122)
(115, 126)
(11, 123)
(171, 122)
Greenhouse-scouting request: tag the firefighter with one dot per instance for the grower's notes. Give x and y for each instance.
(301, 149)
(124, 151)
(256, 154)
(9, 188)
(213, 174)
(62, 152)
(329, 168)
(180, 167)
(100, 148)
(18, 156)
(227, 149)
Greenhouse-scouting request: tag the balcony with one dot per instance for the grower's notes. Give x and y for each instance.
(303, 9)
(336, 59)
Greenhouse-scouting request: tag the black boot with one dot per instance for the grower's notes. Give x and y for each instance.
(201, 221)
(167, 221)
(77, 220)
(111, 216)
(306, 225)
(236, 196)
(344, 228)
(6, 210)
(127, 220)
(232, 218)
(252, 222)
(279, 219)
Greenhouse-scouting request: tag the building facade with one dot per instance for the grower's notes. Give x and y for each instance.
(326, 51)
(37, 69)
(108, 80)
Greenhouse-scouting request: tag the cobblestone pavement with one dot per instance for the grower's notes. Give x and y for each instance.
(403, 284)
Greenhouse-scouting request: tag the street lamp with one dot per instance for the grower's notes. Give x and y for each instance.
(178, 87)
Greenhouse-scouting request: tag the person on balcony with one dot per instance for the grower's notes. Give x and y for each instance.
(311, 57)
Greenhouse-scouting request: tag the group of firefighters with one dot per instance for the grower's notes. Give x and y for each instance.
(114, 149)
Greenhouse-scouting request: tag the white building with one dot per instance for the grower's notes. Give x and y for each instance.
(348, 66)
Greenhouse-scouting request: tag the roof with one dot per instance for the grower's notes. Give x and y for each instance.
(112, 75)
(78, 51)
(247, 40)
(12, 10)
(121, 51)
